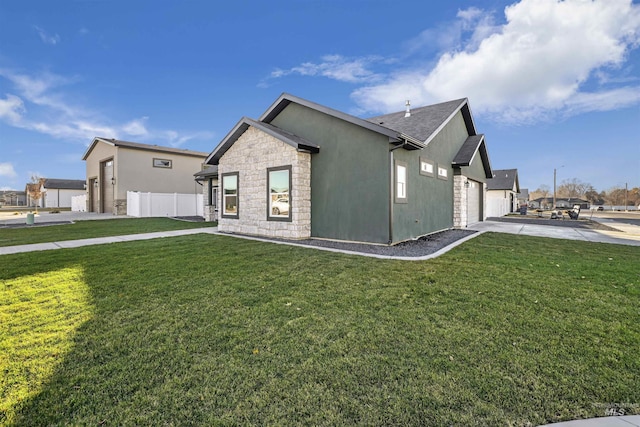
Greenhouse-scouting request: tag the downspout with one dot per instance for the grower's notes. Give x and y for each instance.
(391, 190)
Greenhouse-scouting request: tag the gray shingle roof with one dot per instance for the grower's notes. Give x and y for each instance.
(503, 179)
(140, 146)
(473, 145)
(423, 121)
(243, 125)
(209, 172)
(64, 184)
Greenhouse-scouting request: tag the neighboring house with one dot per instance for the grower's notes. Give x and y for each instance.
(502, 192)
(564, 202)
(115, 167)
(57, 193)
(12, 198)
(305, 170)
(523, 197)
(208, 178)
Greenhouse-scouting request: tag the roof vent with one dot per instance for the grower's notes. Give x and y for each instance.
(407, 112)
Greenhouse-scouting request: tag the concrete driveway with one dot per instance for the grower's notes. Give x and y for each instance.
(625, 234)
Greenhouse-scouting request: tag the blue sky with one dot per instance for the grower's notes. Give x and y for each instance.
(551, 84)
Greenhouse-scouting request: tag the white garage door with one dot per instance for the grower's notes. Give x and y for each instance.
(473, 202)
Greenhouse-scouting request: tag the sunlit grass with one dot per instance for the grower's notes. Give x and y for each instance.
(39, 315)
(215, 330)
(93, 228)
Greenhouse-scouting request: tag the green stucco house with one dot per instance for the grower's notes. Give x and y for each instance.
(303, 170)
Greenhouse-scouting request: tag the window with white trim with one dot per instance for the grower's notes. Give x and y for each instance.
(426, 167)
(401, 182)
(443, 173)
(230, 192)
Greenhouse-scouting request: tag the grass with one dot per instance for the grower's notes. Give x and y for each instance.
(93, 228)
(213, 330)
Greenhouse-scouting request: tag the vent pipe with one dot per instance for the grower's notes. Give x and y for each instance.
(407, 112)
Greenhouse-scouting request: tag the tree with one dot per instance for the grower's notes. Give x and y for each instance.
(615, 196)
(573, 188)
(594, 197)
(34, 189)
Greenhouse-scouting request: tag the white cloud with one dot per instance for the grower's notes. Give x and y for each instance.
(46, 37)
(136, 128)
(176, 140)
(6, 169)
(11, 108)
(537, 63)
(52, 114)
(337, 67)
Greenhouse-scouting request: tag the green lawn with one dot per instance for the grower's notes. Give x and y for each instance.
(214, 330)
(93, 228)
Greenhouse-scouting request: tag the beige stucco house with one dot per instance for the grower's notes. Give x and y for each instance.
(115, 167)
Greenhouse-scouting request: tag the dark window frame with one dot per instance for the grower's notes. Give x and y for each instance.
(224, 205)
(212, 193)
(287, 218)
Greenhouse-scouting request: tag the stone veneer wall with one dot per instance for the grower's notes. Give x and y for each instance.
(251, 155)
(210, 213)
(460, 195)
(120, 207)
(460, 214)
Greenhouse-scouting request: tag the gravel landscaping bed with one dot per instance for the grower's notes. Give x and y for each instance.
(423, 246)
(579, 223)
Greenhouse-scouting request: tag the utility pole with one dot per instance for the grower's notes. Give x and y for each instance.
(554, 186)
(625, 196)
(554, 189)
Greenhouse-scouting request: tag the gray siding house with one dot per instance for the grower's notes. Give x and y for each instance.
(304, 170)
(502, 192)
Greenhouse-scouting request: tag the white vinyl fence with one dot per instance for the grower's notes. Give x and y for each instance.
(79, 203)
(164, 204)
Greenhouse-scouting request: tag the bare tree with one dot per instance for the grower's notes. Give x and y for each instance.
(573, 188)
(540, 192)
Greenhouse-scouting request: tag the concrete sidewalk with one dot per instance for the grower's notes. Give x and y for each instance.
(627, 234)
(614, 421)
(6, 250)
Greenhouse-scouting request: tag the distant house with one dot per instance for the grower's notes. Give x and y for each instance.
(12, 198)
(304, 170)
(502, 192)
(561, 202)
(523, 197)
(57, 193)
(115, 167)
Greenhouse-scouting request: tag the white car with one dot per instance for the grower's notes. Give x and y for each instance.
(280, 207)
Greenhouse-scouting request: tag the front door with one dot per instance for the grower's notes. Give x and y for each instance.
(106, 186)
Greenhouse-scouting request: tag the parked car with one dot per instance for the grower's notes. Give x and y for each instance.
(600, 208)
(280, 207)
